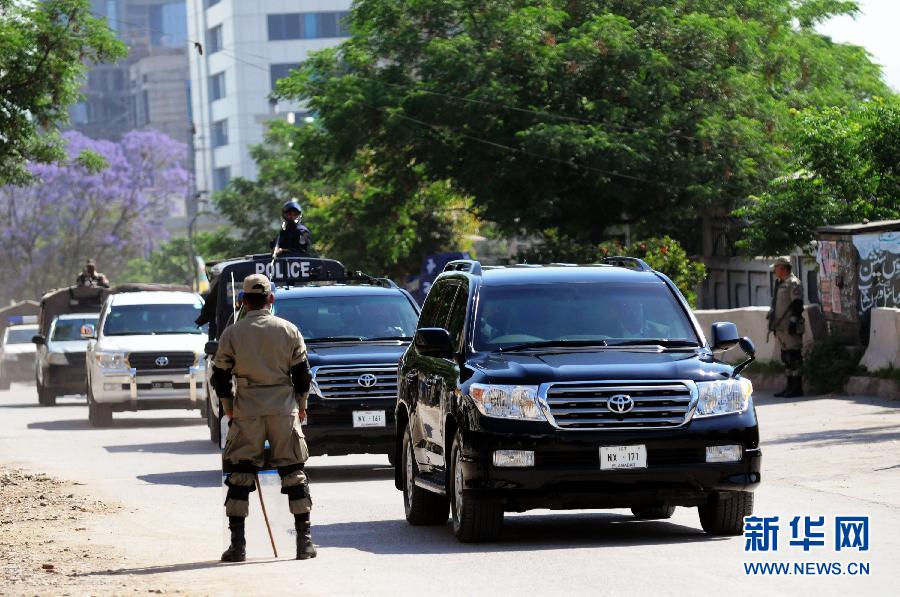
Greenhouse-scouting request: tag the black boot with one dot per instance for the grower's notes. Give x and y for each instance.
(237, 551)
(787, 389)
(305, 547)
(795, 387)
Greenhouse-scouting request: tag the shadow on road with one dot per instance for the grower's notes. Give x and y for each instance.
(195, 479)
(84, 425)
(840, 437)
(186, 567)
(355, 472)
(193, 446)
(520, 533)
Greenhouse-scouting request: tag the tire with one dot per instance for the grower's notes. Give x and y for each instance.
(724, 513)
(474, 520)
(99, 415)
(45, 397)
(653, 512)
(422, 507)
(215, 427)
(392, 458)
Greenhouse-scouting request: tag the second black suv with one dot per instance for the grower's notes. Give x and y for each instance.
(570, 387)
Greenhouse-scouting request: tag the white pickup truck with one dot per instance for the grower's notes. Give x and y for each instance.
(146, 353)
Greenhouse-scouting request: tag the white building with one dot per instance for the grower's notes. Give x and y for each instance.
(248, 45)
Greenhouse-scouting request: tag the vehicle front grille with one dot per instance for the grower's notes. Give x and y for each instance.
(347, 383)
(146, 361)
(585, 405)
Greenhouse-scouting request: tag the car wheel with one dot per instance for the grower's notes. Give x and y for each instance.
(215, 427)
(653, 512)
(474, 520)
(724, 513)
(45, 396)
(422, 507)
(99, 415)
(392, 459)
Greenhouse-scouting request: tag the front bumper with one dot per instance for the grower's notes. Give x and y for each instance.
(134, 390)
(65, 379)
(566, 472)
(329, 427)
(20, 369)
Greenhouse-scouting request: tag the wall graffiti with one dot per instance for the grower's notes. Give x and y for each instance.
(879, 270)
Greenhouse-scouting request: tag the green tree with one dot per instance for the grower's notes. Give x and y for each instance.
(845, 168)
(664, 254)
(372, 215)
(45, 49)
(577, 115)
(171, 262)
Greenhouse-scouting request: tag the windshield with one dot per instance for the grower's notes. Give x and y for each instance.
(66, 330)
(20, 335)
(350, 317)
(577, 314)
(129, 320)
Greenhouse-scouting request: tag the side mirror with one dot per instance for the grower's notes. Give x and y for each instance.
(433, 342)
(724, 335)
(38, 339)
(211, 348)
(88, 331)
(747, 346)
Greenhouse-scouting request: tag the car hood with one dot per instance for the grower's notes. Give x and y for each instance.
(67, 346)
(20, 348)
(164, 342)
(591, 365)
(355, 353)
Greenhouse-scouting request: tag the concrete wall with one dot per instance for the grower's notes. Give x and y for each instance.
(752, 322)
(884, 340)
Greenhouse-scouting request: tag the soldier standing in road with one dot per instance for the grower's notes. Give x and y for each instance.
(267, 357)
(786, 321)
(91, 277)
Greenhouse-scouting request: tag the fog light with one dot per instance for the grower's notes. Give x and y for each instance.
(112, 387)
(511, 458)
(723, 453)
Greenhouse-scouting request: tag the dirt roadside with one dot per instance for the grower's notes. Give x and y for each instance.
(45, 547)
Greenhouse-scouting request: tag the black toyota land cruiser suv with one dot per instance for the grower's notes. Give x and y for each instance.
(356, 328)
(570, 387)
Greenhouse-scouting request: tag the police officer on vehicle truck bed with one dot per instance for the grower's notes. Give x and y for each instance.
(267, 357)
(294, 237)
(786, 321)
(91, 277)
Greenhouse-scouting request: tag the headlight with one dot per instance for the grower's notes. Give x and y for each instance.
(110, 360)
(57, 358)
(723, 397)
(507, 402)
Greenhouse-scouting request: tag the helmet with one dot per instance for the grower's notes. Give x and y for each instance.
(292, 204)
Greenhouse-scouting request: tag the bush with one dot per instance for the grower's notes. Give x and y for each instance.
(664, 254)
(828, 365)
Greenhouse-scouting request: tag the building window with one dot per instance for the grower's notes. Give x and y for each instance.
(217, 86)
(214, 40)
(307, 25)
(280, 71)
(220, 133)
(221, 176)
(145, 108)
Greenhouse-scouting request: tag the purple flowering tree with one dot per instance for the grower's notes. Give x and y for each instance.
(74, 210)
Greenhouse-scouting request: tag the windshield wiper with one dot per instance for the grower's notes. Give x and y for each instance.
(337, 339)
(549, 343)
(665, 343)
(406, 338)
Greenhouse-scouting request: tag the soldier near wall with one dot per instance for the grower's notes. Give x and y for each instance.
(786, 322)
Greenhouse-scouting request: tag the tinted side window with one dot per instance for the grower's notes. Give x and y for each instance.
(457, 319)
(437, 304)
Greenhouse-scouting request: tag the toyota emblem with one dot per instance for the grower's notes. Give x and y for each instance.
(367, 380)
(620, 404)
(162, 361)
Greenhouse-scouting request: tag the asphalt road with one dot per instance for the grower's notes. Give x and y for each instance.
(822, 456)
